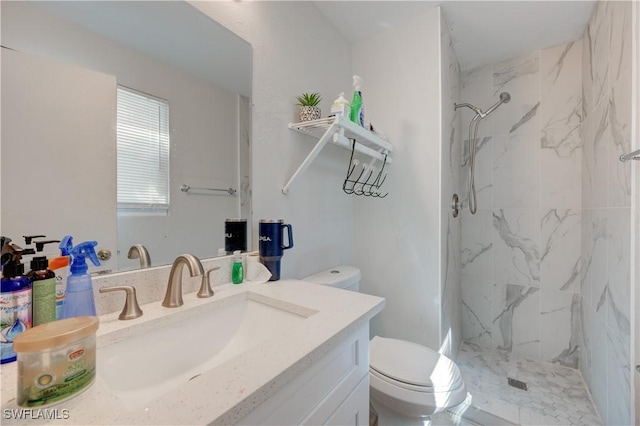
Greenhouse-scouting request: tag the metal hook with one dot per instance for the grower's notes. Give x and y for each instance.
(362, 190)
(360, 186)
(347, 180)
(377, 183)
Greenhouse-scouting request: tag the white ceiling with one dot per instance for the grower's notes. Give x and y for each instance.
(482, 31)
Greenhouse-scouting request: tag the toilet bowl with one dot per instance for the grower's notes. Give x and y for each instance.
(408, 382)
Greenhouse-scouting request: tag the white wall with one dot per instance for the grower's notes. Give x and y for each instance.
(397, 238)
(295, 50)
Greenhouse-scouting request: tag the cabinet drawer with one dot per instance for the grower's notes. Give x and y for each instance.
(355, 409)
(314, 396)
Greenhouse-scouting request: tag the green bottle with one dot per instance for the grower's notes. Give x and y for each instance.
(237, 272)
(357, 109)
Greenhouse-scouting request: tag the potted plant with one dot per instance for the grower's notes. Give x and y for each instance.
(309, 109)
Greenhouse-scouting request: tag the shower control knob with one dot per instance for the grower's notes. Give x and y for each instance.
(637, 368)
(455, 205)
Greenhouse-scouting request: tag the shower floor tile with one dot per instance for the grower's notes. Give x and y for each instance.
(555, 395)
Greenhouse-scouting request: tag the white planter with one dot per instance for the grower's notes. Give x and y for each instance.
(308, 113)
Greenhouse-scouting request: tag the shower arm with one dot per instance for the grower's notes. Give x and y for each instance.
(504, 98)
(473, 107)
(478, 111)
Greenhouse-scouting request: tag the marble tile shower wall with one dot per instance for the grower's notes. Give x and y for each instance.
(546, 259)
(521, 251)
(606, 214)
(451, 319)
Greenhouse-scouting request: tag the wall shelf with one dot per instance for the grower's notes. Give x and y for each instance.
(339, 130)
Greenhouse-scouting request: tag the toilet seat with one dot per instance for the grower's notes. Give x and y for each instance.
(412, 366)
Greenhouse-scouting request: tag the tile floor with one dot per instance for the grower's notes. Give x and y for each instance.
(556, 395)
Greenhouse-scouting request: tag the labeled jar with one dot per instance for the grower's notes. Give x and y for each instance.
(56, 360)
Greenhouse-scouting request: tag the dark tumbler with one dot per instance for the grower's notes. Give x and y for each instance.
(271, 244)
(235, 235)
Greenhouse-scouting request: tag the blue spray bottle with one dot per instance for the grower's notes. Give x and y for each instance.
(79, 293)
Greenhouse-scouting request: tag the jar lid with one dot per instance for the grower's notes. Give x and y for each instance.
(55, 333)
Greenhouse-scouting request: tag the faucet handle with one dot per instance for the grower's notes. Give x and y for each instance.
(131, 308)
(205, 287)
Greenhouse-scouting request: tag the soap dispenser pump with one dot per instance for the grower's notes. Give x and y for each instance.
(15, 298)
(43, 291)
(43, 280)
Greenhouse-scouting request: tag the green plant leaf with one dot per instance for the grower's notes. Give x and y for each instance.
(309, 99)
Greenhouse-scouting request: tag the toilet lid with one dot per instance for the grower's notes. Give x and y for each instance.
(414, 364)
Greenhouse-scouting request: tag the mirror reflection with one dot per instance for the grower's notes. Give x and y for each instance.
(104, 119)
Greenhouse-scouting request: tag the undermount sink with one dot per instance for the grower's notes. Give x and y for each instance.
(142, 368)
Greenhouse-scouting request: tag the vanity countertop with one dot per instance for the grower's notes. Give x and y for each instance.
(223, 394)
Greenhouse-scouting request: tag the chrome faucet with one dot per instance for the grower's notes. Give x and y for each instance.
(139, 251)
(173, 297)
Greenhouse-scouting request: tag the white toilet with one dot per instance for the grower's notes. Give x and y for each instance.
(408, 382)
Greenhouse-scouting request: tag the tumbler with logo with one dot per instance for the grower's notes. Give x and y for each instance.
(271, 244)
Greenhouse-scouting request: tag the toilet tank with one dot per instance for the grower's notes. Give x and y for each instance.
(343, 276)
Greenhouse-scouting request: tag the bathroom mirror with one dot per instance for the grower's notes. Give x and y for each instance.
(62, 65)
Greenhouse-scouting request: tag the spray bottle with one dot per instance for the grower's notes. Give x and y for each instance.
(357, 108)
(15, 299)
(79, 295)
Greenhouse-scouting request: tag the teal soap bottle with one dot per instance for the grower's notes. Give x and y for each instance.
(237, 272)
(79, 299)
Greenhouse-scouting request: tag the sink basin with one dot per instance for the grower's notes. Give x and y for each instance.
(142, 368)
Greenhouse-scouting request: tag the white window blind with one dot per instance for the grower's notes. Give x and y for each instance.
(143, 151)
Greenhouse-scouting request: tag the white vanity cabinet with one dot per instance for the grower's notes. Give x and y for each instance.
(314, 369)
(333, 390)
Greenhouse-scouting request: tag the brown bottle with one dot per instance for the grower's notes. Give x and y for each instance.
(43, 291)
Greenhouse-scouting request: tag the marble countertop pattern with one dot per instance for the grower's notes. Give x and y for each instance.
(224, 394)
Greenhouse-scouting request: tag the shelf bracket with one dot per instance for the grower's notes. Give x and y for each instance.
(312, 155)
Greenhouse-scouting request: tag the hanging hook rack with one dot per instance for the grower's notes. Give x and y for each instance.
(342, 132)
(360, 186)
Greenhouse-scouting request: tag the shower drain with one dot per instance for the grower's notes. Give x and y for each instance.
(517, 383)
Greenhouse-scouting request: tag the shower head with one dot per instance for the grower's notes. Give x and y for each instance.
(504, 98)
